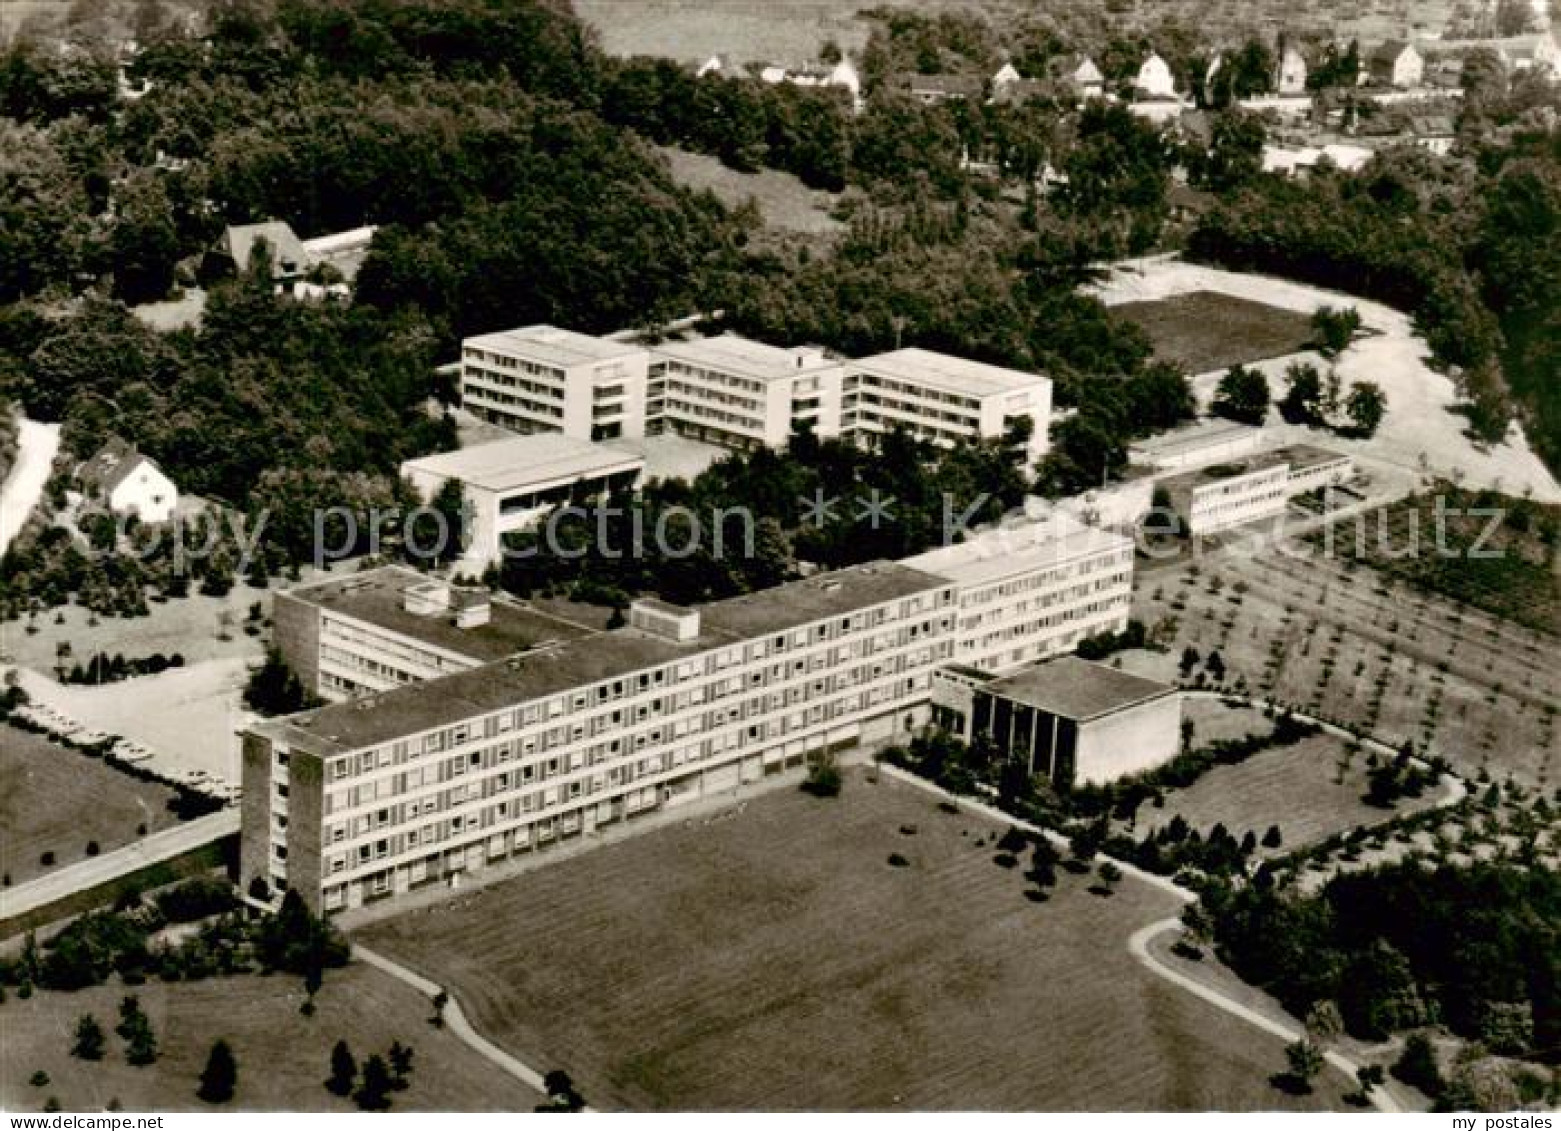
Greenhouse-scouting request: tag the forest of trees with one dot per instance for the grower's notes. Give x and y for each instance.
(1476, 947)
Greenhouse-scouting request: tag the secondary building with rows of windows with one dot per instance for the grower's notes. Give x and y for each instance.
(738, 393)
(1254, 489)
(1034, 589)
(544, 379)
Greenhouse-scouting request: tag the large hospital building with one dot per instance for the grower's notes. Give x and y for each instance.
(468, 728)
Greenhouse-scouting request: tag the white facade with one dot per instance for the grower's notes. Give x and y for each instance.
(1292, 73)
(1398, 65)
(1226, 501)
(739, 393)
(508, 485)
(1208, 441)
(145, 492)
(1155, 79)
(1034, 589)
(941, 399)
(544, 379)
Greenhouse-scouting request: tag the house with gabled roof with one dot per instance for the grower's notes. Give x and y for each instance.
(1395, 63)
(129, 482)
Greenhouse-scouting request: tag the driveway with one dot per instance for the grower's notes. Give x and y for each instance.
(37, 445)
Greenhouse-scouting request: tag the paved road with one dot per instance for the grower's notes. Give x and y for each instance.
(1138, 945)
(37, 444)
(455, 1019)
(154, 849)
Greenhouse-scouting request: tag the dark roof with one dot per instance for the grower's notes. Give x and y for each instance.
(1185, 196)
(111, 465)
(288, 254)
(1077, 689)
(587, 660)
(377, 596)
(950, 86)
(1387, 53)
(1018, 91)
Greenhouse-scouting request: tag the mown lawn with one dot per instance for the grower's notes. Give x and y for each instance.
(1203, 331)
(283, 1057)
(786, 203)
(773, 959)
(1300, 788)
(57, 800)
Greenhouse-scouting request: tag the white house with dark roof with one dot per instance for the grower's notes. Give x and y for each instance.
(1154, 79)
(1292, 73)
(128, 482)
(1395, 63)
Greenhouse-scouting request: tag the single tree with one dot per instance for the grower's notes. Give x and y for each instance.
(1305, 1060)
(1303, 399)
(561, 1093)
(373, 1092)
(1369, 1077)
(344, 1070)
(400, 1064)
(1242, 395)
(89, 1039)
(1272, 838)
(1417, 1066)
(1334, 329)
(220, 1076)
(1366, 405)
(1324, 1024)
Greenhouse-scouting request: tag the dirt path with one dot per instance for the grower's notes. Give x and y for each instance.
(37, 444)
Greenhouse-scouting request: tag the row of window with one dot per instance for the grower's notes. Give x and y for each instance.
(711, 376)
(491, 811)
(1000, 636)
(535, 752)
(1018, 586)
(504, 361)
(857, 381)
(1120, 584)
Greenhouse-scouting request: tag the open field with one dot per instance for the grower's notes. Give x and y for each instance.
(1202, 331)
(1350, 644)
(1423, 431)
(56, 800)
(771, 958)
(283, 1057)
(794, 30)
(746, 30)
(1311, 791)
(193, 626)
(786, 203)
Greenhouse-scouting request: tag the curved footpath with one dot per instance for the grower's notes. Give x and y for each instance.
(1138, 945)
(455, 1019)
